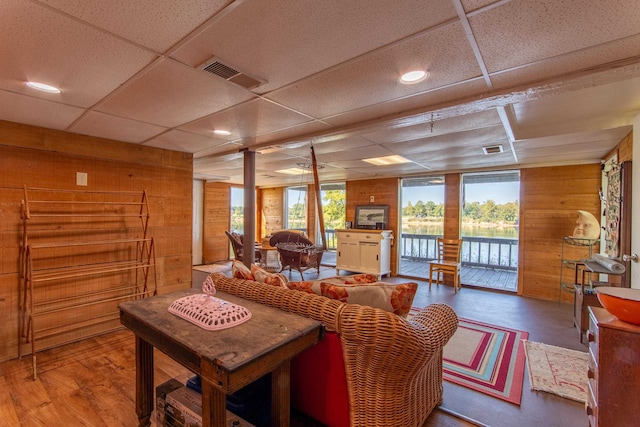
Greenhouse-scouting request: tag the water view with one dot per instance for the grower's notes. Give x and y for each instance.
(494, 231)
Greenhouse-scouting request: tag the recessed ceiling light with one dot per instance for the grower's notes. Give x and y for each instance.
(413, 77)
(221, 132)
(292, 171)
(43, 87)
(388, 160)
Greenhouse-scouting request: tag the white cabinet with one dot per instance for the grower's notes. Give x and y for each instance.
(364, 251)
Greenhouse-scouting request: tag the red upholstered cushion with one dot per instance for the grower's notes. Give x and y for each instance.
(319, 382)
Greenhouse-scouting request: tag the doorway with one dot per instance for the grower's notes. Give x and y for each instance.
(421, 223)
(489, 228)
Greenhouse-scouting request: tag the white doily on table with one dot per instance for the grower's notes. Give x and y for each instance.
(209, 312)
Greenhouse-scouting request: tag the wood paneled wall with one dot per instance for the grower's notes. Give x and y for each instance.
(452, 206)
(549, 200)
(217, 219)
(271, 201)
(385, 192)
(38, 157)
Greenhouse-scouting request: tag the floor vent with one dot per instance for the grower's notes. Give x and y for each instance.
(220, 69)
(493, 149)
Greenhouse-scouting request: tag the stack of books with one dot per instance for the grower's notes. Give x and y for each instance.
(180, 406)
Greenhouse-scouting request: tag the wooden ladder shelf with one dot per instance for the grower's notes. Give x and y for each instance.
(82, 253)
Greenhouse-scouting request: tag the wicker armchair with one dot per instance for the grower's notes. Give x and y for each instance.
(296, 251)
(393, 366)
(238, 247)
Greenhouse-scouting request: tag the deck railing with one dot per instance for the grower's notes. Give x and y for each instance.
(497, 253)
(476, 251)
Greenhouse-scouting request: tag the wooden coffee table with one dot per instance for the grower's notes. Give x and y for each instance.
(226, 360)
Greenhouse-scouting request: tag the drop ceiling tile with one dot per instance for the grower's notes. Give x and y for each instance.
(117, 128)
(84, 62)
(187, 142)
(570, 63)
(373, 78)
(412, 105)
(465, 140)
(598, 107)
(36, 112)
(542, 30)
(286, 43)
(474, 5)
(166, 22)
(170, 94)
(249, 119)
(481, 119)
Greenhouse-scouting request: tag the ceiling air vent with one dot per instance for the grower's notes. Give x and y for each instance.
(492, 149)
(217, 67)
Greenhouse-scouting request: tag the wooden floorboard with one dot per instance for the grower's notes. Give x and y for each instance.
(92, 382)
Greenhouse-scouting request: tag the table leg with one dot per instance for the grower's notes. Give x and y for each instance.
(280, 395)
(214, 406)
(144, 381)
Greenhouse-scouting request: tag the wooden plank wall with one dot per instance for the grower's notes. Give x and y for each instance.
(39, 157)
(385, 192)
(549, 200)
(216, 218)
(452, 206)
(272, 213)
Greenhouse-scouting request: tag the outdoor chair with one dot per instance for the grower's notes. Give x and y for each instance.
(448, 262)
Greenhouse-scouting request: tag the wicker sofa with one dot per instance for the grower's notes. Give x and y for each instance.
(373, 368)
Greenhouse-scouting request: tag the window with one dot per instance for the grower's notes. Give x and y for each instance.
(334, 206)
(490, 204)
(237, 209)
(422, 223)
(296, 208)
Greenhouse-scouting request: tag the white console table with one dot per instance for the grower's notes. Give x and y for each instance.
(364, 251)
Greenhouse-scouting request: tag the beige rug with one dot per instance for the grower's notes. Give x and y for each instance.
(557, 370)
(213, 268)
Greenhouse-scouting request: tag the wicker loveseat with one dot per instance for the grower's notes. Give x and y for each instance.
(381, 370)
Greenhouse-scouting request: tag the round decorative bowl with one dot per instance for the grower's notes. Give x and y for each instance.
(624, 303)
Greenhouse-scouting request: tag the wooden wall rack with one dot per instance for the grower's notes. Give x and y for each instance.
(82, 253)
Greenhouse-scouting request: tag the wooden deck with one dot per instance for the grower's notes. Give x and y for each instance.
(471, 276)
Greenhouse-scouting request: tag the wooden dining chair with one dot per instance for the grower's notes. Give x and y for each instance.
(448, 262)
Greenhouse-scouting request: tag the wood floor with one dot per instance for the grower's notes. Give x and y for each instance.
(91, 383)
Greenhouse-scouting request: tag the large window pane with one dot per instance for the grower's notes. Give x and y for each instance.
(334, 203)
(422, 219)
(296, 205)
(237, 209)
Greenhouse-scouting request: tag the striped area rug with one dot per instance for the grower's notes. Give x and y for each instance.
(486, 358)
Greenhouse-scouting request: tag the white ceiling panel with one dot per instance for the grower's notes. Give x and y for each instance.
(170, 94)
(111, 127)
(561, 78)
(545, 29)
(166, 22)
(87, 64)
(249, 119)
(283, 43)
(374, 78)
(37, 112)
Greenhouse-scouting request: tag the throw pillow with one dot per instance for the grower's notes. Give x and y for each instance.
(360, 278)
(313, 286)
(263, 276)
(390, 297)
(240, 271)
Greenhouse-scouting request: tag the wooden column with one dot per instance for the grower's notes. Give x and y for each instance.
(249, 206)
